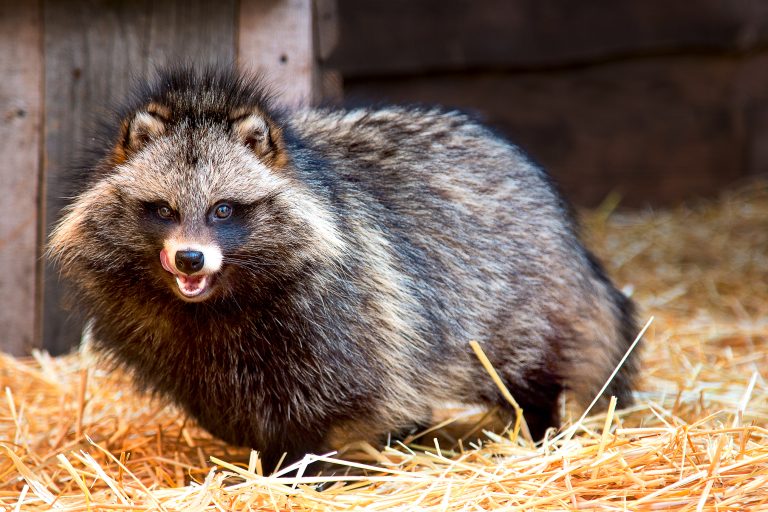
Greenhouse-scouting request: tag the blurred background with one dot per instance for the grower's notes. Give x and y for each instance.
(653, 102)
(657, 100)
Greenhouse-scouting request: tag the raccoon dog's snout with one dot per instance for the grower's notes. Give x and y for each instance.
(189, 262)
(194, 273)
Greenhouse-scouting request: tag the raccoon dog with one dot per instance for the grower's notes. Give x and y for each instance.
(297, 280)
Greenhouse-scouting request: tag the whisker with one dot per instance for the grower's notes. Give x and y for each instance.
(254, 267)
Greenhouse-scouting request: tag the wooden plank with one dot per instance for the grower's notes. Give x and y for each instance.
(20, 103)
(326, 39)
(657, 130)
(276, 39)
(94, 49)
(326, 28)
(406, 36)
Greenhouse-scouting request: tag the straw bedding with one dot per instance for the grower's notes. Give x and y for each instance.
(75, 437)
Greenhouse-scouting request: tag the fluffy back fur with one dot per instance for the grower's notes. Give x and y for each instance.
(349, 258)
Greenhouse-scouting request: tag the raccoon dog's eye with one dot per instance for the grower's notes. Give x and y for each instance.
(223, 211)
(164, 212)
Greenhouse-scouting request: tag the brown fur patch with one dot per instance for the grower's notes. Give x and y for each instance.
(259, 131)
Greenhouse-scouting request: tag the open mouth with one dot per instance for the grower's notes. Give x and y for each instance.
(191, 287)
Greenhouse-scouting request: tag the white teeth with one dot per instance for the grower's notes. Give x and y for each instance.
(192, 286)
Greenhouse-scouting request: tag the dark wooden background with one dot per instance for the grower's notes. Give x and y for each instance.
(658, 101)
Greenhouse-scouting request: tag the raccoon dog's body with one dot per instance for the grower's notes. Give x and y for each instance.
(297, 280)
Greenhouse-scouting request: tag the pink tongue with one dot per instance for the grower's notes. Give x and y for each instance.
(165, 261)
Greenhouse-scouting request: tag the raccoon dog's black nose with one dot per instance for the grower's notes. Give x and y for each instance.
(189, 262)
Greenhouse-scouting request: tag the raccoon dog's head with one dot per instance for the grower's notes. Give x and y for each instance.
(199, 194)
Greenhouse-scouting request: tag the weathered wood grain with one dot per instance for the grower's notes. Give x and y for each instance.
(326, 28)
(406, 36)
(276, 39)
(93, 51)
(20, 104)
(330, 90)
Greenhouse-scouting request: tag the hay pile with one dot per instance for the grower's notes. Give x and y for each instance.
(75, 438)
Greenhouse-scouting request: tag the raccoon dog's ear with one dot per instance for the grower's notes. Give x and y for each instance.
(145, 125)
(259, 134)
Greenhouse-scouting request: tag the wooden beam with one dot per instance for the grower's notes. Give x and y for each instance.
(398, 37)
(276, 38)
(20, 114)
(326, 38)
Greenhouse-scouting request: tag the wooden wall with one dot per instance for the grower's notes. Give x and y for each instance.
(661, 101)
(64, 64)
(20, 173)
